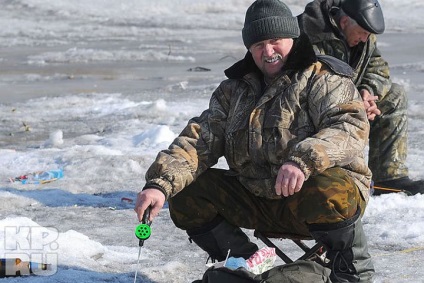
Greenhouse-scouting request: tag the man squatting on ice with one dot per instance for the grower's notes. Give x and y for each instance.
(293, 129)
(347, 30)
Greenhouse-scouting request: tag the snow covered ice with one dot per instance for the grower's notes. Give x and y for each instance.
(98, 87)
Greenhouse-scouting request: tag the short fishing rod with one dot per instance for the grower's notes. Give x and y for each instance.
(142, 232)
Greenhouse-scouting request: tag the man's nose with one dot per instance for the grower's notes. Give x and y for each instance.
(269, 49)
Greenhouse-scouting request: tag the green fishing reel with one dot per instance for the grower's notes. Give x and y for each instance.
(143, 230)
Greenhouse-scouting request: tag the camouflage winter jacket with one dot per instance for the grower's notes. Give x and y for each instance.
(371, 71)
(308, 115)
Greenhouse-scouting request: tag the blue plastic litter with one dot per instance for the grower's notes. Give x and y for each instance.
(236, 262)
(42, 177)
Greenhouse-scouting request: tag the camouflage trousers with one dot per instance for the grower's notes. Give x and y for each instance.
(388, 137)
(329, 197)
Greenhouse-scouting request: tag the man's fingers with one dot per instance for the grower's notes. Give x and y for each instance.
(372, 98)
(299, 183)
(291, 187)
(371, 116)
(141, 210)
(278, 185)
(286, 186)
(366, 105)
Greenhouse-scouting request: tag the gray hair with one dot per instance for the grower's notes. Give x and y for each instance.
(339, 13)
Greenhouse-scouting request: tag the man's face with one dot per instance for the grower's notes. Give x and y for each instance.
(353, 33)
(271, 55)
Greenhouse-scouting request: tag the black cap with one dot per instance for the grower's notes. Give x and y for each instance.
(268, 19)
(367, 13)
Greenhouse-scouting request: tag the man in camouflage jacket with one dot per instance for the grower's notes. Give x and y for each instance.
(347, 30)
(293, 129)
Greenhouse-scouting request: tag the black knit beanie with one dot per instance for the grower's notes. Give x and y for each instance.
(268, 19)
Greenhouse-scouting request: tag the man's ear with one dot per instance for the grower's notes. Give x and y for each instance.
(344, 21)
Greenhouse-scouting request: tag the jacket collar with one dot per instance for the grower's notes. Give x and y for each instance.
(301, 56)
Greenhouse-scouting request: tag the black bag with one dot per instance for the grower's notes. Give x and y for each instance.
(300, 271)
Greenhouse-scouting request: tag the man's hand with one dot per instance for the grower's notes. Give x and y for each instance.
(369, 103)
(289, 179)
(149, 197)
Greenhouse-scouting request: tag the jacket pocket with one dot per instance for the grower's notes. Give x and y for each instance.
(237, 148)
(276, 134)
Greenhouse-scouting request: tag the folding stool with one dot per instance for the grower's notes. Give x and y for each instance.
(313, 253)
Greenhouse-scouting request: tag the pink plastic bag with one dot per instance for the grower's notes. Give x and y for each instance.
(262, 260)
